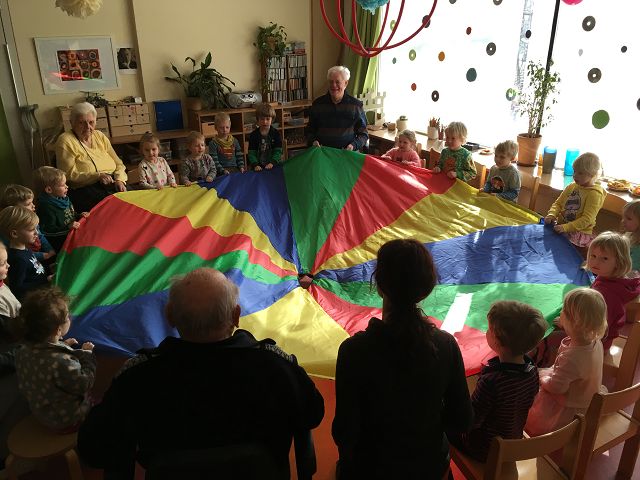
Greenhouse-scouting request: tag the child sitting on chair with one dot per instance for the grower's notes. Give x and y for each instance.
(405, 153)
(9, 304)
(225, 148)
(55, 210)
(54, 377)
(574, 212)
(504, 179)
(18, 224)
(265, 144)
(21, 196)
(509, 382)
(154, 171)
(198, 166)
(455, 160)
(567, 387)
(631, 227)
(609, 259)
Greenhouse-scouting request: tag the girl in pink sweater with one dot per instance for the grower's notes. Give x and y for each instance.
(567, 387)
(609, 258)
(405, 153)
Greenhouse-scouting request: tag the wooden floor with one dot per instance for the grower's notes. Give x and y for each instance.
(603, 467)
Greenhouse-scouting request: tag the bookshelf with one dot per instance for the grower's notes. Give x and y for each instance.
(285, 78)
(291, 119)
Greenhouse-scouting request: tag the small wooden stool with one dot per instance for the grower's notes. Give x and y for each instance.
(31, 440)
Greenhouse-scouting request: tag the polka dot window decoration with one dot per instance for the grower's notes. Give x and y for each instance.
(452, 2)
(623, 49)
(511, 94)
(600, 119)
(638, 104)
(472, 74)
(497, 2)
(580, 52)
(468, 30)
(393, 60)
(428, 22)
(527, 34)
(441, 56)
(594, 75)
(491, 48)
(435, 96)
(392, 24)
(588, 23)
(412, 54)
(413, 87)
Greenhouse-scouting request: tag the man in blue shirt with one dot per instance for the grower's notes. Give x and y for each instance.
(337, 119)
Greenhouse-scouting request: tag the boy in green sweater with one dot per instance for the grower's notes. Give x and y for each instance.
(54, 208)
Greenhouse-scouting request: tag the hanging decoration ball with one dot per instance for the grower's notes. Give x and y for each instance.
(572, 2)
(372, 5)
(379, 44)
(79, 8)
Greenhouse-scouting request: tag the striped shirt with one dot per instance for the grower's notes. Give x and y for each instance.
(501, 402)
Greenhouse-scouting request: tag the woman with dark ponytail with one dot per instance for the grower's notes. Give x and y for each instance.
(400, 383)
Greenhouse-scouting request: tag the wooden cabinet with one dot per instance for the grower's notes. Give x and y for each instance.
(129, 119)
(290, 121)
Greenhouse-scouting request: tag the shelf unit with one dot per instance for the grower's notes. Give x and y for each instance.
(284, 79)
(243, 122)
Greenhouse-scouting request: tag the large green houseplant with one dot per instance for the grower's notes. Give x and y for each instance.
(204, 83)
(270, 41)
(535, 102)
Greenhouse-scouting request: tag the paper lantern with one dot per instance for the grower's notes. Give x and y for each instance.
(79, 8)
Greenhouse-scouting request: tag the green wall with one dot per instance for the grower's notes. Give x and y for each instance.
(9, 172)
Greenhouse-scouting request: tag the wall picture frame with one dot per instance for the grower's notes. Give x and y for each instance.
(75, 64)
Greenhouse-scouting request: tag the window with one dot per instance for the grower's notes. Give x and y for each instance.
(463, 64)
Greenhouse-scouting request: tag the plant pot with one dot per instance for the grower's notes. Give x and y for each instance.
(528, 149)
(193, 103)
(432, 133)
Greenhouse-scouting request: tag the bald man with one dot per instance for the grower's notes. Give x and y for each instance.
(215, 385)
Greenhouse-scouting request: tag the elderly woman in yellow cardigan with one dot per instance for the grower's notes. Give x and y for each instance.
(86, 156)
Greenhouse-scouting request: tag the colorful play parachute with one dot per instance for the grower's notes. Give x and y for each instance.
(324, 213)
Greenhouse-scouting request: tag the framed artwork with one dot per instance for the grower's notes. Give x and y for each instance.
(74, 64)
(127, 60)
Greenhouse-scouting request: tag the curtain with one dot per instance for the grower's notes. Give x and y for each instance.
(363, 70)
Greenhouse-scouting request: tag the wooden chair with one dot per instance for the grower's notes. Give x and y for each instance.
(527, 458)
(607, 425)
(621, 360)
(530, 183)
(434, 158)
(30, 440)
(481, 176)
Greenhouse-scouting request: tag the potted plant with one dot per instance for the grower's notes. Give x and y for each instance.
(203, 85)
(535, 102)
(270, 42)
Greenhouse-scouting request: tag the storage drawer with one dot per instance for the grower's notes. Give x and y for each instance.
(122, 120)
(101, 123)
(141, 109)
(208, 129)
(122, 131)
(142, 118)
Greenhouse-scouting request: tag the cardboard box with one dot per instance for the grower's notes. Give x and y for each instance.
(208, 129)
(123, 131)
